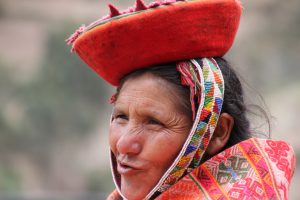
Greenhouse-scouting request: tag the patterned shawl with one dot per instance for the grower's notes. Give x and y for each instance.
(253, 169)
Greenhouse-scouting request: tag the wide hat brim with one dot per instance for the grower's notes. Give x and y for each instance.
(180, 31)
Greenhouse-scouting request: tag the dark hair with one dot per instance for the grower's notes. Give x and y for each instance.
(233, 104)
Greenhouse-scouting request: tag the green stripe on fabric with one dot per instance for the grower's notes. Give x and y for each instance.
(199, 186)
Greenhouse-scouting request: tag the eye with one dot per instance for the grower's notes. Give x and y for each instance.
(154, 122)
(120, 118)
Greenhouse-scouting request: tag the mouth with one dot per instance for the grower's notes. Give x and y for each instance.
(126, 169)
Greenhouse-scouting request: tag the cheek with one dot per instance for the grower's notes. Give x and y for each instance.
(114, 136)
(164, 148)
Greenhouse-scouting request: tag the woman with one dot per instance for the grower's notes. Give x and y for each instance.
(179, 130)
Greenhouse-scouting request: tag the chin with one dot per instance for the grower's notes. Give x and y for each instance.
(134, 192)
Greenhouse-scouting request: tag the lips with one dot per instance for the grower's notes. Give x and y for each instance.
(126, 169)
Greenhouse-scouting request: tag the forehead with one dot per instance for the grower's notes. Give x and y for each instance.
(149, 91)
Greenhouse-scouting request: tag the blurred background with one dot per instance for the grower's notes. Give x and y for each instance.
(54, 113)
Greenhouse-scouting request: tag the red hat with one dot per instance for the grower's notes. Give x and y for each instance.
(162, 32)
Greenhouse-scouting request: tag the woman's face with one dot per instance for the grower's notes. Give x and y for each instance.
(147, 132)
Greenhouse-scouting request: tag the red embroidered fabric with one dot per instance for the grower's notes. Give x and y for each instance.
(253, 169)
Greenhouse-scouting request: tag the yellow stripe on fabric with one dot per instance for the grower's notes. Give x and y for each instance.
(254, 168)
(268, 165)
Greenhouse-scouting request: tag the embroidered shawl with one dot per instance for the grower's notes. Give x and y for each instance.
(253, 169)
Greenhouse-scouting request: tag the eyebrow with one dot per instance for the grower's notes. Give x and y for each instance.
(145, 111)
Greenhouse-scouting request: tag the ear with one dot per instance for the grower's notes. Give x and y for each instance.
(221, 134)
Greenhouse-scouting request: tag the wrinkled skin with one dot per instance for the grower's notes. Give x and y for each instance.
(146, 133)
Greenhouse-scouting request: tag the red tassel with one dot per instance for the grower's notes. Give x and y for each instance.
(139, 5)
(113, 11)
(113, 99)
(187, 80)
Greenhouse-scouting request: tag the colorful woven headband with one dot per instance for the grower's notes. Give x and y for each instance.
(205, 79)
(163, 31)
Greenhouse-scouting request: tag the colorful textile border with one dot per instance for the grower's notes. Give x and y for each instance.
(211, 88)
(256, 169)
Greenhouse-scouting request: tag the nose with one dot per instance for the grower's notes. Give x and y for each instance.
(129, 143)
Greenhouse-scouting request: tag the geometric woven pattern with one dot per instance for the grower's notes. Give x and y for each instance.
(206, 77)
(248, 170)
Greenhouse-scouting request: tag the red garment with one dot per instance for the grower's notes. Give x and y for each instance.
(253, 169)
